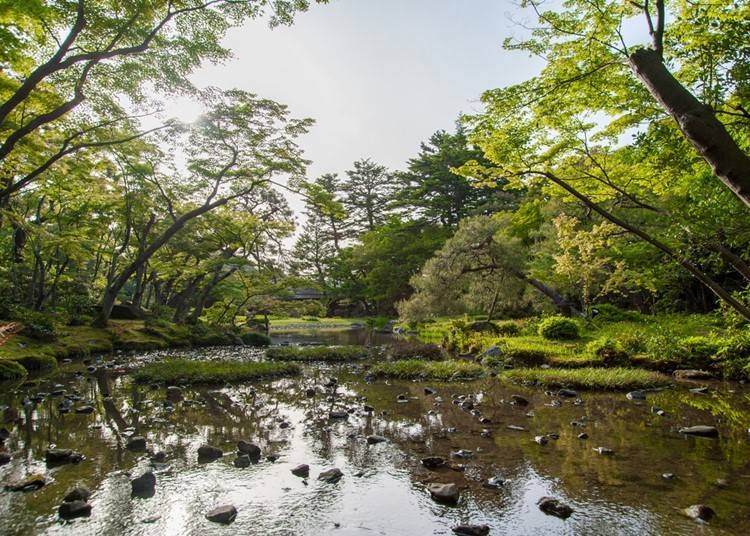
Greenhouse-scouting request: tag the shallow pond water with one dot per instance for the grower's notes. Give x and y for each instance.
(383, 488)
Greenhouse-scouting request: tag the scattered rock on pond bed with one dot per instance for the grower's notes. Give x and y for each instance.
(567, 393)
(604, 451)
(433, 462)
(136, 444)
(699, 512)
(73, 509)
(250, 449)
(29, 483)
(553, 507)
(78, 493)
(471, 530)
(495, 482)
(519, 400)
(444, 493)
(331, 476)
(374, 439)
(222, 514)
(62, 456)
(302, 470)
(242, 461)
(636, 395)
(144, 484)
(209, 453)
(700, 431)
(4, 458)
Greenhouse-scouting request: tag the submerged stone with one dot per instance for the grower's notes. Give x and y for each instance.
(209, 453)
(302, 470)
(433, 462)
(144, 484)
(78, 493)
(700, 430)
(471, 530)
(29, 483)
(222, 514)
(374, 439)
(699, 512)
(62, 456)
(73, 509)
(444, 493)
(136, 444)
(331, 476)
(553, 507)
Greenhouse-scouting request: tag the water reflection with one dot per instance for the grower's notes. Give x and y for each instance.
(383, 490)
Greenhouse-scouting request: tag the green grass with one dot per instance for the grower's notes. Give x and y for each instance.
(296, 324)
(317, 353)
(586, 378)
(413, 369)
(173, 371)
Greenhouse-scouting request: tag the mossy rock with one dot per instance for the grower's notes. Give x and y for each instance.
(37, 361)
(252, 338)
(11, 370)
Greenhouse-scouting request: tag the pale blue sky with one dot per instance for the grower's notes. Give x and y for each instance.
(378, 76)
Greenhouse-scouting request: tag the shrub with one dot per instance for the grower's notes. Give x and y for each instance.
(558, 328)
(508, 329)
(482, 326)
(38, 326)
(611, 313)
(414, 350)
(253, 338)
(494, 361)
(633, 343)
(610, 351)
(698, 350)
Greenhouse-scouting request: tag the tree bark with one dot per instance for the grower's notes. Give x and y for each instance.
(697, 122)
(114, 288)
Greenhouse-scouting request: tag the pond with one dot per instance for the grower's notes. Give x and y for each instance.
(383, 489)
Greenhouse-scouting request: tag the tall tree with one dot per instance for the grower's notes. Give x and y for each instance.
(367, 194)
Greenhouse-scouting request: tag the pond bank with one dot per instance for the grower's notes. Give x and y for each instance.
(22, 354)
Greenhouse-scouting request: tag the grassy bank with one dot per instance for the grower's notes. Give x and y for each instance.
(314, 323)
(317, 353)
(174, 371)
(80, 341)
(618, 338)
(415, 369)
(605, 379)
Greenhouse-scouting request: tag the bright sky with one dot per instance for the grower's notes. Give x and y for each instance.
(378, 76)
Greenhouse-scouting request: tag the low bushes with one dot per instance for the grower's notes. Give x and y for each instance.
(317, 353)
(508, 329)
(587, 378)
(415, 369)
(174, 371)
(37, 361)
(558, 328)
(610, 351)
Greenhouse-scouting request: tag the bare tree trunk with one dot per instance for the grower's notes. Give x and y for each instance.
(697, 122)
(115, 286)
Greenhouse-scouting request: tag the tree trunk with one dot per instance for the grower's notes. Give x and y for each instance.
(113, 289)
(697, 122)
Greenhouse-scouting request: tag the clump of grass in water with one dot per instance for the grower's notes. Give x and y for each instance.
(587, 378)
(413, 369)
(317, 353)
(172, 371)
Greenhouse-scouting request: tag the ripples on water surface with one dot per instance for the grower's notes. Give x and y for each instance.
(383, 487)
